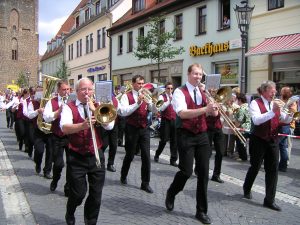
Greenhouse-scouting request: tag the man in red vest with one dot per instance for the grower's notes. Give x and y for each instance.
(263, 143)
(167, 127)
(59, 140)
(81, 164)
(190, 104)
(135, 107)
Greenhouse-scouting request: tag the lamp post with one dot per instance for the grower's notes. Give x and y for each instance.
(28, 76)
(243, 16)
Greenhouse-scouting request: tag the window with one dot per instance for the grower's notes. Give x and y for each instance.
(138, 5)
(112, 2)
(224, 16)
(275, 4)
(98, 9)
(141, 32)
(162, 26)
(120, 45)
(77, 49)
(14, 49)
(80, 47)
(87, 44)
(91, 78)
(201, 23)
(14, 55)
(178, 26)
(77, 21)
(79, 76)
(87, 14)
(99, 39)
(103, 37)
(130, 41)
(229, 73)
(91, 43)
(102, 76)
(71, 51)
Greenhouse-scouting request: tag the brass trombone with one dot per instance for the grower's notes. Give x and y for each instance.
(223, 94)
(105, 113)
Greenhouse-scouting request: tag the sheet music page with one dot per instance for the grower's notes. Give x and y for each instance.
(212, 81)
(103, 91)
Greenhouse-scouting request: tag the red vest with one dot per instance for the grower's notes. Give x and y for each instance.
(269, 129)
(169, 112)
(82, 141)
(198, 124)
(213, 122)
(139, 117)
(36, 105)
(55, 128)
(20, 115)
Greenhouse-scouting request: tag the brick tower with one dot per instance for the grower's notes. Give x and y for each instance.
(18, 41)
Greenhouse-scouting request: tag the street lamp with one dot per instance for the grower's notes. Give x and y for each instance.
(243, 16)
(28, 76)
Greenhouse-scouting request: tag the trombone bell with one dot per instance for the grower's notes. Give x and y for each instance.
(105, 113)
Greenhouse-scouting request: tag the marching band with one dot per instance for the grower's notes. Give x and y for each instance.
(191, 119)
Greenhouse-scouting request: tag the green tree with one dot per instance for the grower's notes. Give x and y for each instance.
(22, 80)
(157, 45)
(63, 72)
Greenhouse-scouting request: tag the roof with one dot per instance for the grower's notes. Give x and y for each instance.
(279, 44)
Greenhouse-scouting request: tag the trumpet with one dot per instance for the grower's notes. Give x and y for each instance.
(222, 95)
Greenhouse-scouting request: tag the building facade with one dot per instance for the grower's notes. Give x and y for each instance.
(18, 41)
(87, 46)
(274, 41)
(200, 30)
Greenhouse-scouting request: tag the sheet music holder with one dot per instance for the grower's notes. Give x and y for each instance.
(103, 91)
(212, 81)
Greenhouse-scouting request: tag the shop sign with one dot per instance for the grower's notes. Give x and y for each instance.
(94, 69)
(209, 49)
(229, 72)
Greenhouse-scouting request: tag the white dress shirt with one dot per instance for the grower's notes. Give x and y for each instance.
(178, 99)
(30, 112)
(67, 115)
(166, 104)
(259, 118)
(48, 114)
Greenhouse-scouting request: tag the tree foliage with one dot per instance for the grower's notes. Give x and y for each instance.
(63, 72)
(22, 80)
(157, 45)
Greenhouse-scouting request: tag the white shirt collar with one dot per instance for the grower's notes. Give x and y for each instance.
(191, 87)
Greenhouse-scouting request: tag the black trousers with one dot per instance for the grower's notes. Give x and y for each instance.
(110, 139)
(20, 132)
(241, 148)
(192, 146)
(43, 141)
(10, 118)
(133, 136)
(267, 151)
(82, 169)
(29, 137)
(59, 146)
(216, 137)
(168, 133)
(121, 129)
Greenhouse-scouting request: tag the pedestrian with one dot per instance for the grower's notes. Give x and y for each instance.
(81, 164)
(192, 108)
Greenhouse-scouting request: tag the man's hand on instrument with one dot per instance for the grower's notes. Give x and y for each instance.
(40, 110)
(141, 98)
(276, 107)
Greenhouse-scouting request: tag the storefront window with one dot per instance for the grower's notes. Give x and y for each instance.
(229, 73)
(287, 78)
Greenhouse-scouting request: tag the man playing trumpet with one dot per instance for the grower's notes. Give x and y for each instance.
(135, 106)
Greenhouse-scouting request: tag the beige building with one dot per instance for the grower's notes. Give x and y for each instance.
(274, 43)
(87, 46)
(18, 41)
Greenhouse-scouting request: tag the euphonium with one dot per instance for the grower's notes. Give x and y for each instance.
(49, 84)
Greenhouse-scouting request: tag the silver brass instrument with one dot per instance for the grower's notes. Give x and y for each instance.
(148, 97)
(224, 94)
(285, 107)
(49, 84)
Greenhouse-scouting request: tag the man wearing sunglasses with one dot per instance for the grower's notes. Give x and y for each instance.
(167, 127)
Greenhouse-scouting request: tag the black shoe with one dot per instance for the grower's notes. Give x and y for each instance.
(111, 168)
(173, 163)
(147, 188)
(169, 202)
(70, 219)
(66, 191)
(123, 180)
(156, 159)
(282, 169)
(138, 153)
(203, 218)
(53, 185)
(247, 194)
(37, 169)
(217, 179)
(30, 156)
(272, 206)
(47, 176)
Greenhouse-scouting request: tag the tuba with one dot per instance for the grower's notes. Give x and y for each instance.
(49, 84)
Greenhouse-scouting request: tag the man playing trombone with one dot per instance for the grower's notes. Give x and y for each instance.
(265, 115)
(84, 144)
(135, 106)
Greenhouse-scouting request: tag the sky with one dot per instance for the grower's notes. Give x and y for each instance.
(52, 15)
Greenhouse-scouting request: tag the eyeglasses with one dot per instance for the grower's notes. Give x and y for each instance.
(86, 89)
(169, 88)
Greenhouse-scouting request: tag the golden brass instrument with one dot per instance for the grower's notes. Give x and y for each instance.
(222, 95)
(127, 89)
(105, 113)
(49, 84)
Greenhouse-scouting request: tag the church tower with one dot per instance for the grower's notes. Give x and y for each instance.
(19, 41)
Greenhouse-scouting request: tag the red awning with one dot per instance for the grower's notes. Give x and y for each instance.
(280, 44)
